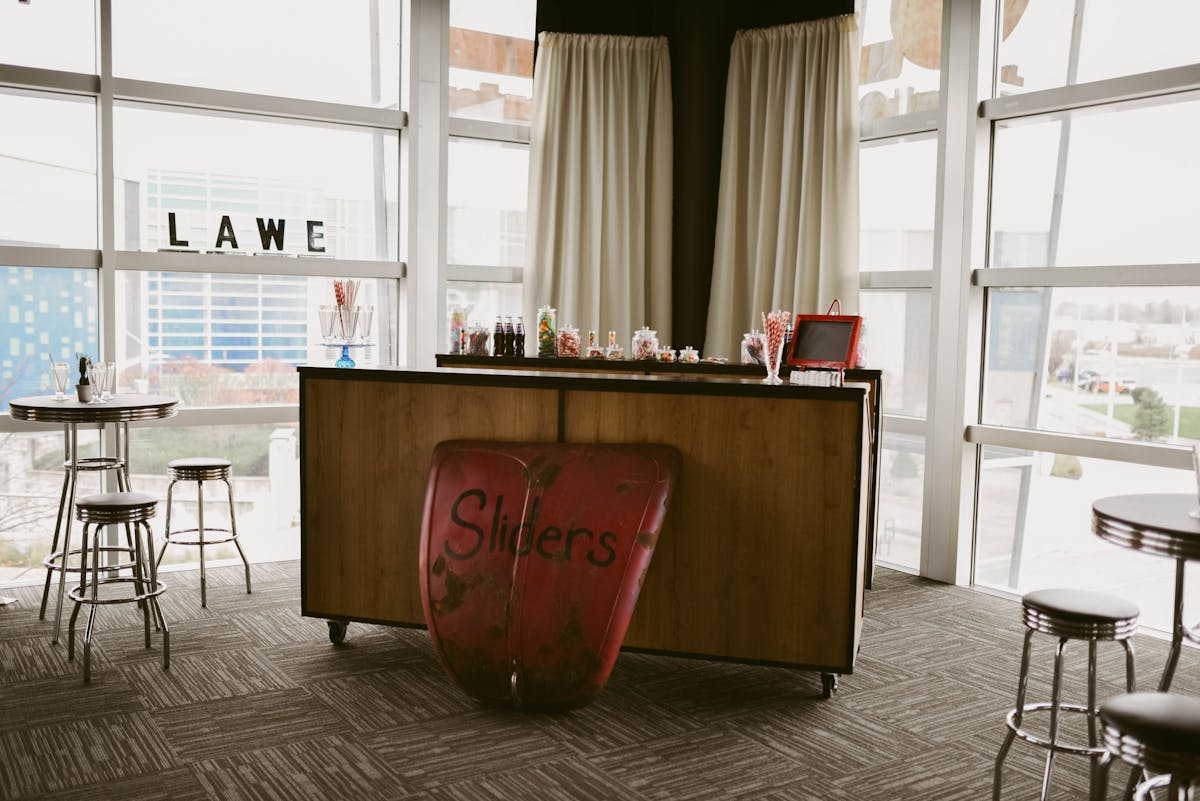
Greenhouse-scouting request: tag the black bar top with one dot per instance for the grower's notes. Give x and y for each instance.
(668, 383)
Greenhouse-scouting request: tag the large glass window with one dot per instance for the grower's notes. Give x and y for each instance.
(1099, 361)
(1034, 528)
(901, 499)
(344, 52)
(486, 196)
(1038, 42)
(47, 169)
(896, 334)
(230, 340)
(491, 59)
(485, 302)
(901, 57)
(302, 189)
(59, 36)
(44, 312)
(897, 180)
(1085, 187)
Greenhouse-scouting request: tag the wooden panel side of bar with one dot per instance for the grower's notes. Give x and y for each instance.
(759, 557)
(367, 450)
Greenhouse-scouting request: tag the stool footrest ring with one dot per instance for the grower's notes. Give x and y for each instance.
(74, 594)
(174, 538)
(51, 561)
(1038, 740)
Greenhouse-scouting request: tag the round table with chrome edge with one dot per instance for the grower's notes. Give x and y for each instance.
(120, 410)
(1159, 524)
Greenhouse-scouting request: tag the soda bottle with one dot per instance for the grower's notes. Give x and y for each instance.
(519, 340)
(510, 337)
(498, 338)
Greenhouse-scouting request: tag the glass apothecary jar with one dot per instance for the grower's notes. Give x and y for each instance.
(689, 355)
(666, 354)
(458, 324)
(752, 347)
(645, 344)
(568, 342)
(547, 344)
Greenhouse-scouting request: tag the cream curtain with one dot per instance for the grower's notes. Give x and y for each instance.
(598, 236)
(787, 215)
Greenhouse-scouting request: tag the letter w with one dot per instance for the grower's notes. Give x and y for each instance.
(270, 232)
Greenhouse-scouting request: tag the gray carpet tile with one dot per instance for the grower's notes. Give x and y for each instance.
(313, 770)
(619, 717)
(205, 677)
(258, 704)
(711, 763)
(29, 658)
(179, 784)
(461, 747)
(818, 734)
(39, 760)
(229, 726)
(58, 699)
(413, 691)
(566, 780)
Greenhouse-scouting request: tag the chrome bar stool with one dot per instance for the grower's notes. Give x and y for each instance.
(96, 512)
(201, 469)
(1067, 615)
(54, 561)
(1158, 733)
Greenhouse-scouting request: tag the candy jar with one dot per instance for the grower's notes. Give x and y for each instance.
(594, 351)
(568, 342)
(666, 354)
(645, 344)
(477, 340)
(614, 353)
(458, 324)
(689, 355)
(546, 344)
(752, 347)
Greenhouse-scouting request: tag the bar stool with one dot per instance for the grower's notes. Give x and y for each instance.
(54, 560)
(132, 509)
(1156, 732)
(201, 469)
(1068, 615)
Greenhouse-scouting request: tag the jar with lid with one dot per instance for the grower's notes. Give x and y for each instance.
(477, 340)
(666, 354)
(689, 355)
(752, 347)
(645, 344)
(546, 334)
(568, 342)
(458, 324)
(594, 351)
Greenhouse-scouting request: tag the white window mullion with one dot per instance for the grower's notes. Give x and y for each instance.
(956, 310)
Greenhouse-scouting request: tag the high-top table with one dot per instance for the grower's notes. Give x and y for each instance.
(1159, 524)
(121, 410)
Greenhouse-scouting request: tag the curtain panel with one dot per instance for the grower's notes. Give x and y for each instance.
(787, 215)
(598, 238)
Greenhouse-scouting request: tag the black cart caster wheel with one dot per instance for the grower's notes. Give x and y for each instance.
(337, 631)
(829, 684)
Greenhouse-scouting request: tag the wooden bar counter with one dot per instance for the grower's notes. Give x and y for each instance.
(761, 556)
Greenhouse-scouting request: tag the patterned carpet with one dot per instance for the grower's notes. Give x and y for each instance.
(259, 705)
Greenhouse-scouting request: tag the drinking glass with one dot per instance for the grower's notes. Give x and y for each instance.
(59, 371)
(97, 376)
(110, 381)
(366, 316)
(326, 315)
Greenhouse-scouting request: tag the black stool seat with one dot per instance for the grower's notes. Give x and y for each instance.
(117, 501)
(1159, 720)
(1084, 606)
(199, 468)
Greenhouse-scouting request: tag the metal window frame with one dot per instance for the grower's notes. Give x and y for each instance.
(106, 260)
(1159, 83)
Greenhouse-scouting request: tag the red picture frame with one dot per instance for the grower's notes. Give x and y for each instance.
(824, 340)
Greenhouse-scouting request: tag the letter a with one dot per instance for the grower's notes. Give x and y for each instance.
(225, 233)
